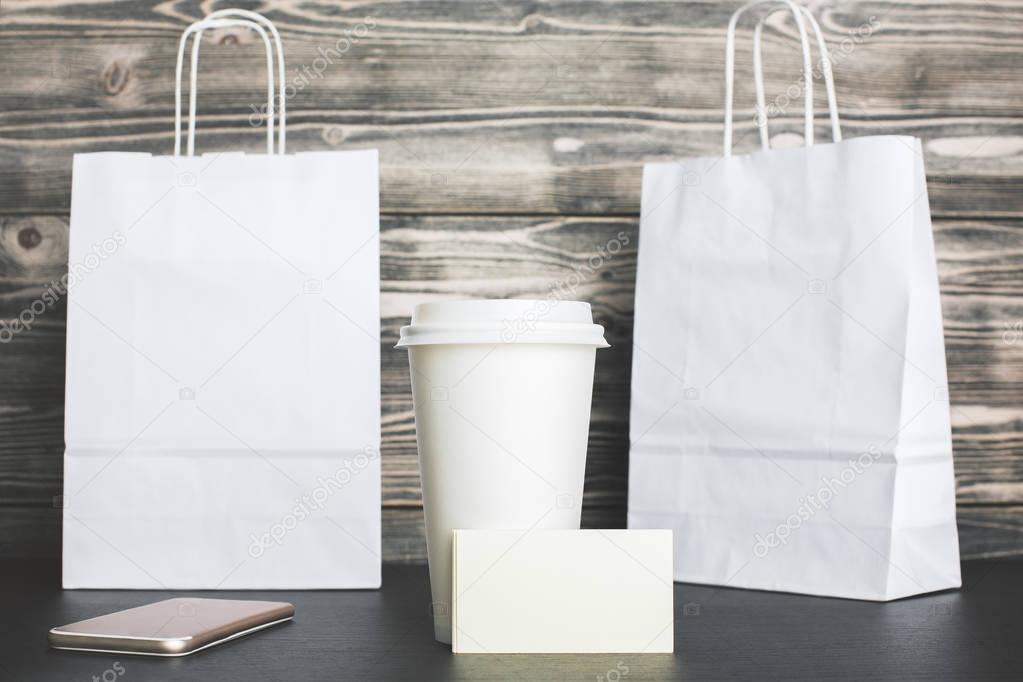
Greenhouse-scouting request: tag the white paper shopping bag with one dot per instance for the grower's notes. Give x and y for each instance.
(223, 406)
(789, 416)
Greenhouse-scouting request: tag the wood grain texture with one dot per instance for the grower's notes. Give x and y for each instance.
(512, 135)
(510, 107)
(438, 257)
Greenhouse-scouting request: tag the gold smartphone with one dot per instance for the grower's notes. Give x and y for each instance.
(174, 627)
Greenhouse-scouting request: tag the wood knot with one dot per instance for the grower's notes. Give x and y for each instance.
(115, 78)
(33, 246)
(29, 238)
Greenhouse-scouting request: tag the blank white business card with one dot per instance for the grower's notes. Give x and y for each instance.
(562, 591)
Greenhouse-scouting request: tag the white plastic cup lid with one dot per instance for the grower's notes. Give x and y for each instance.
(502, 321)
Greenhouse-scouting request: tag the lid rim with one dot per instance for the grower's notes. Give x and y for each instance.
(502, 321)
(582, 335)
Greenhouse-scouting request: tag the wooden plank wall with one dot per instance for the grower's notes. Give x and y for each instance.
(512, 134)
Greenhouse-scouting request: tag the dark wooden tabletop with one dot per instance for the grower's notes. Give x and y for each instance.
(972, 634)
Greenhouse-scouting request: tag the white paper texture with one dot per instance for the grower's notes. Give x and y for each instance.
(223, 372)
(790, 416)
(562, 591)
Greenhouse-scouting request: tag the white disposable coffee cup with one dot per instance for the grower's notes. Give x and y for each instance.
(502, 392)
